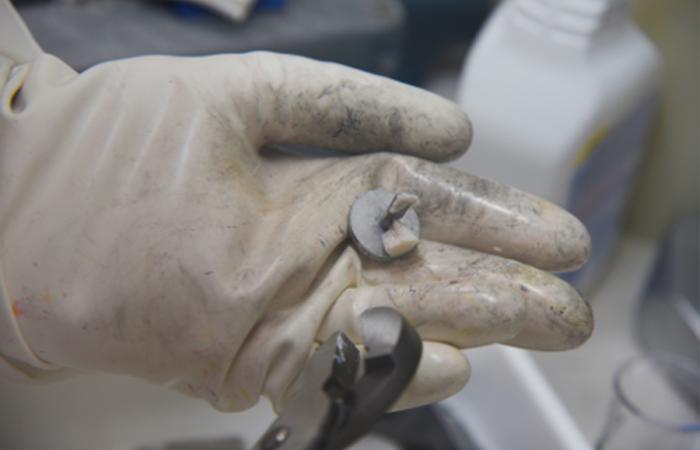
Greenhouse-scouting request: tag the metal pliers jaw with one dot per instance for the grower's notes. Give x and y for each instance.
(330, 406)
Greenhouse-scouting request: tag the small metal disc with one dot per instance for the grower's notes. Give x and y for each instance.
(366, 214)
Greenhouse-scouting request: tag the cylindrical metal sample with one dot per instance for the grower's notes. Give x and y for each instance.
(377, 212)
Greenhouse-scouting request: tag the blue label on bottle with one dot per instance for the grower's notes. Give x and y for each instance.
(607, 167)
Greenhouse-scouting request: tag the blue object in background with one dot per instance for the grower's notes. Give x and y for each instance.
(189, 10)
(262, 5)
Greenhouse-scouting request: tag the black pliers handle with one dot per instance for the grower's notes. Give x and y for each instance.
(330, 406)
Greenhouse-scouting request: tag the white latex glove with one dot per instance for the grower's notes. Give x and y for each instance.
(145, 229)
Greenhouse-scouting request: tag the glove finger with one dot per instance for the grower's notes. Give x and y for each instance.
(462, 209)
(465, 314)
(442, 372)
(455, 207)
(331, 106)
(467, 298)
(558, 318)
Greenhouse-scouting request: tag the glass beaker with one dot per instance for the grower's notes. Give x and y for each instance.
(655, 405)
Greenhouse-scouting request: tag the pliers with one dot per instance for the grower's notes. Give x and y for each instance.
(340, 395)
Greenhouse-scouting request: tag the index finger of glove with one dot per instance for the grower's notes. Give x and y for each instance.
(318, 104)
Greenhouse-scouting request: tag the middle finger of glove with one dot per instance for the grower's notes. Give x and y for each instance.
(461, 209)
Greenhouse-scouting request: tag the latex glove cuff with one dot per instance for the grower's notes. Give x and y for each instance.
(18, 362)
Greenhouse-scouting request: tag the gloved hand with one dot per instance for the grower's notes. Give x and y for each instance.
(147, 228)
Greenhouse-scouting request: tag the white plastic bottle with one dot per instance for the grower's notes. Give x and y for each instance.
(561, 94)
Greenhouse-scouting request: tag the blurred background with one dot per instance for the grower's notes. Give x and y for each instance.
(592, 104)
